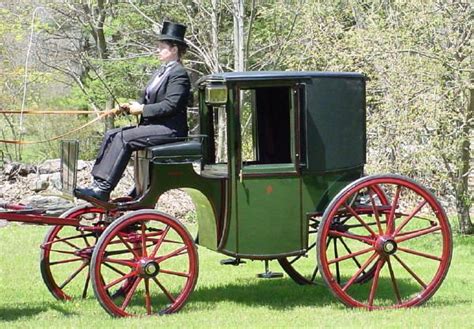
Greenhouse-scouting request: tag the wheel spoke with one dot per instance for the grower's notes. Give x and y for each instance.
(129, 295)
(368, 224)
(338, 273)
(122, 252)
(406, 220)
(394, 281)
(64, 261)
(414, 231)
(299, 256)
(343, 221)
(73, 237)
(175, 253)
(66, 241)
(73, 275)
(409, 270)
(128, 246)
(419, 253)
(125, 277)
(313, 276)
(376, 213)
(418, 234)
(158, 244)
(147, 296)
(144, 253)
(165, 291)
(391, 216)
(361, 269)
(124, 262)
(351, 255)
(63, 251)
(295, 259)
(360, 238)
(350, 252)
(373, 288)
(83, 236)
(70, 244)
(114, 269)
(364, 224)
(182, 274)
(86, 285)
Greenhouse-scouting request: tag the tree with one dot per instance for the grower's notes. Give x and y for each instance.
(417, 58)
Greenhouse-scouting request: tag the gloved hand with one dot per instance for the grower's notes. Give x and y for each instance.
(136, 108)
(123, 109)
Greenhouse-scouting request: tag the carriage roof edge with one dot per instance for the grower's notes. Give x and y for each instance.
(273, 75)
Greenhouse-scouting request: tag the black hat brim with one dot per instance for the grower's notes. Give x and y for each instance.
(164, 37)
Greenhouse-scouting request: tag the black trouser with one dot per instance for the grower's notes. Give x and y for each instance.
(118, 145)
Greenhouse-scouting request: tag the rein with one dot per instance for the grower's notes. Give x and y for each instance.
(102, 114)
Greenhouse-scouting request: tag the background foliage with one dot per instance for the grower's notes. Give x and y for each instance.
(417, 56)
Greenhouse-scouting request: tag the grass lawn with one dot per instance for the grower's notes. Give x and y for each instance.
(225, 296)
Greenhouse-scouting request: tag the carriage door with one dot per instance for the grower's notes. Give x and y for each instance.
(268, 189)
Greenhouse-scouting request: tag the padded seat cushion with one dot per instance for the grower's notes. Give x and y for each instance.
(187, 149)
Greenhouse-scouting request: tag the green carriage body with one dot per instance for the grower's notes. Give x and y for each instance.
(307, 141)
(287, 185)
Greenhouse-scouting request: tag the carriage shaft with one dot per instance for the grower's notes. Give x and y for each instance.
(37, 219)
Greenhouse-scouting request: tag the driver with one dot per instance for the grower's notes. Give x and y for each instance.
(162, 107)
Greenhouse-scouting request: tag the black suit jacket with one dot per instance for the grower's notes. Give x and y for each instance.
(168, 100)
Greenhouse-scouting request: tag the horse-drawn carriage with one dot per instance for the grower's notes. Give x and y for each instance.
(289, 185)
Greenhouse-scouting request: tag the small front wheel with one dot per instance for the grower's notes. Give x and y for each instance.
(151, 252)
(405, 244)
(66, 252)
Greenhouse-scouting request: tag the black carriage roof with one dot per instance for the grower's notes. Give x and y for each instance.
(276, 75)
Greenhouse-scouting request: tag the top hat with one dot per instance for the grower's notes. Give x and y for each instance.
(173, 32)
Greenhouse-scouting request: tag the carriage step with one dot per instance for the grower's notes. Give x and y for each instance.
(269, 274)
(232, 261)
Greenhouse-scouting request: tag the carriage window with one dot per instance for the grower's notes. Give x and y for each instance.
(265, 125)
(247, 126)
(219, 120)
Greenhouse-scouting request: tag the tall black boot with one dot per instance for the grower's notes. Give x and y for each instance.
(100, 190)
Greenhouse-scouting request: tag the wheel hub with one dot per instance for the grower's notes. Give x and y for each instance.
(85, 253)
(386, 245)
(148, 268)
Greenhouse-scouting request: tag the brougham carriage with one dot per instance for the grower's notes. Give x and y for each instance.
(290, 186)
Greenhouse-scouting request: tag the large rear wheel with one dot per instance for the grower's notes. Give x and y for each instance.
(304, 269)
(407, 243)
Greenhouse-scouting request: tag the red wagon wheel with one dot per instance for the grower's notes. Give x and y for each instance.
(303, 269)
(66, 252)
(154, 254)
(408, 243)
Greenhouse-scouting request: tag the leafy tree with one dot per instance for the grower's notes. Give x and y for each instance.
(417, 57)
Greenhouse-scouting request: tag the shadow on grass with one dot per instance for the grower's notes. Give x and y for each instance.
(449, 302)
(285, 294)
(27, 310)
(277, 294)
(272, 293)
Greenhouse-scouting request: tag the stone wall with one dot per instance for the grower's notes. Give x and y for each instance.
(39, 186)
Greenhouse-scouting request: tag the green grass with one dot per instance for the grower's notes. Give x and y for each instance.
(225, 296)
